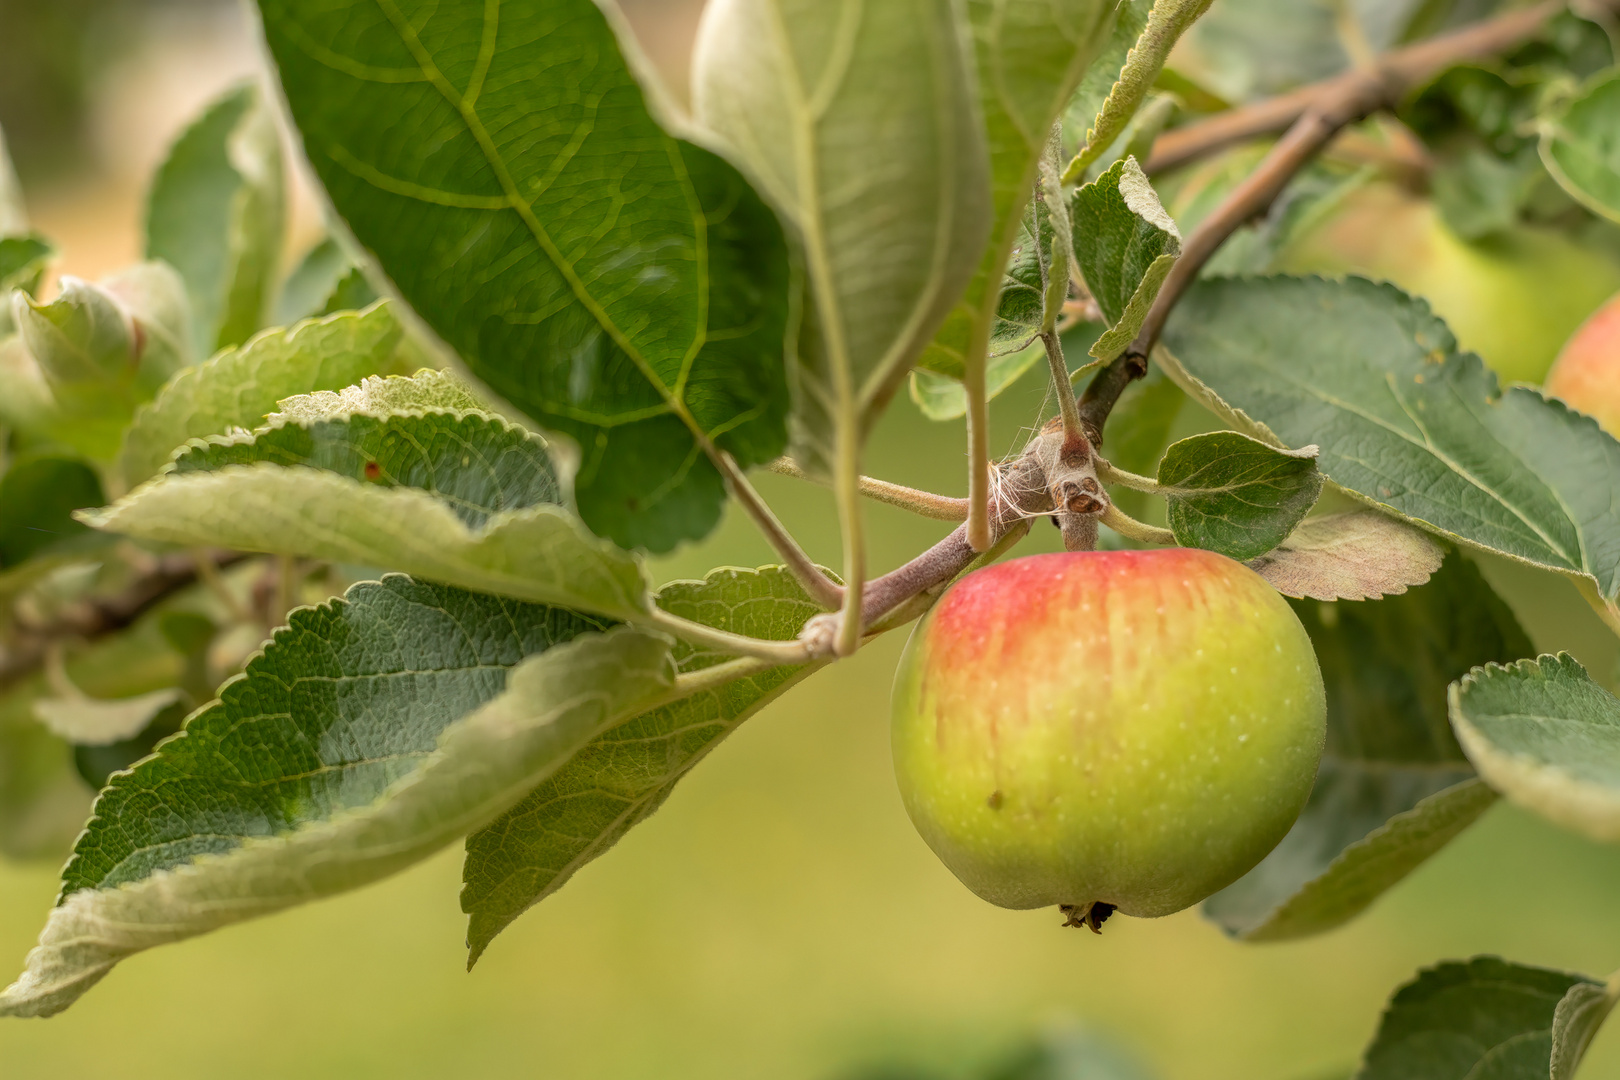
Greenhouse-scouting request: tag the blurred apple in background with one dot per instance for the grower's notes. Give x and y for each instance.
(1587, 373)
(1514, 297)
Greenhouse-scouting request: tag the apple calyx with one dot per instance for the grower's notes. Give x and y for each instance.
(1091, 916)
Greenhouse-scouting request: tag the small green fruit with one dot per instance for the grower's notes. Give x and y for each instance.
(1587, 373)
(1128, 728)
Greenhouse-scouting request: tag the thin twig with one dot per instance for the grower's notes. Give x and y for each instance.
(1404, 68)
(923, 503)
(95, 618)
(1333, 105)
(822, 589)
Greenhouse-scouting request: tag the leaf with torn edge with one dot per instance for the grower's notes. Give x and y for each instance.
(1360, 555)
(800, 94)
(1124, 246)
(371, 732)
(1404, 420)
(618, 780)
(216, 214)
(1393, 787)
(1486, 1017)
(1580, 144)
(501, 167)
(240, 387)
(1545, 735)
(1241, 497)
(451, 495)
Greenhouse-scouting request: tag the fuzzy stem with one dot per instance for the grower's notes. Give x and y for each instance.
(1068, 409)
(924, 503)
(1112, 474)
(775, 652)
(822, 589)
(1131, 529)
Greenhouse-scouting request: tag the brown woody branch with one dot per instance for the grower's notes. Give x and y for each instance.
(1400, 71)
(1313, 117)
(89, 619)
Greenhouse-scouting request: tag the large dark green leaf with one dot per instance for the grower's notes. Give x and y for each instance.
(216, 213)
(618, 285)
(1393, 787)
(374, 730)
(1487, 1018)
(1546, 736)
(617, 781)
(1405, 420)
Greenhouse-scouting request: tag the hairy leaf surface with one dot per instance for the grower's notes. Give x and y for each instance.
(1393, 787)
(1229, 493)
(1546, 736)
(1486, 1017)
(239, 388)
(618, 780)
(391, 473)
(372, 731)
(1031, 55)
(216, 214)
(803, 93)
(1580, 145)
(1360, 555)
(616, 284)
(1404, 419)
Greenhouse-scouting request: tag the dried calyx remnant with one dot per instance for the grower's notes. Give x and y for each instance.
(1091, 916)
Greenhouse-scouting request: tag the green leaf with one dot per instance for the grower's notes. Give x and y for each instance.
(1393, 787)
(38, 495)
(304, 294)
(216, 214)
(1080, 115)
(617, 285)
(23, 261)
(1580, 144)
(1030, 57)
(1403, 419)
(1070, 1053)
(1360, 555)
(1545, 735)
(240, 387)
(446, 493)
(1229, 493)
(1486, 1017)
(802, 94)
(13, 214)
(373, 730)
(1480, 193)
(617, 781)
(941, 397)
(1124, 245)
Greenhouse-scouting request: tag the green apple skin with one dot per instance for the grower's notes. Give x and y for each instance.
(1512, 298)
(1135, 728)
(1586, 375)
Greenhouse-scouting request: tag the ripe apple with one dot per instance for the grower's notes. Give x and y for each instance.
(1102, 730)
(1587, 372)
(1513, 297)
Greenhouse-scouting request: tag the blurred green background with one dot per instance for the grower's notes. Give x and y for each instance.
(779, 917)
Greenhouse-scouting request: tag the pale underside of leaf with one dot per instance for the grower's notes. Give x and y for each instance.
(1545, 735)
(540, 553)
(553, 704)
(1360, 555)
(87, 721)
